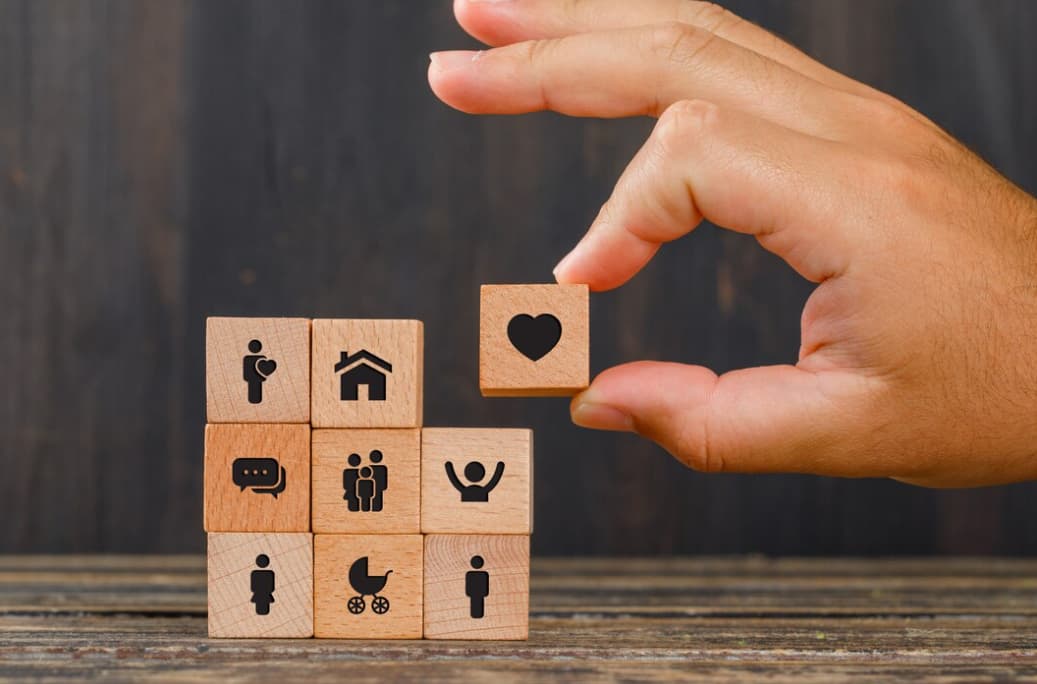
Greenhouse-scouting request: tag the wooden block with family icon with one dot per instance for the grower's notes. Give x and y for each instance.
(333, 512)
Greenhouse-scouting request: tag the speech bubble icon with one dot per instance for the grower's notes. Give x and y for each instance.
(257, 472)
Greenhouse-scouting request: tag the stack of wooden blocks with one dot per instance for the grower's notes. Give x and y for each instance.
(332, 512)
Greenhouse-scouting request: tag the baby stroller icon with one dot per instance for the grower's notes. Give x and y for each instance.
(366, 585)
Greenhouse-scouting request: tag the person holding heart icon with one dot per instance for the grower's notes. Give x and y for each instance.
(257, 368)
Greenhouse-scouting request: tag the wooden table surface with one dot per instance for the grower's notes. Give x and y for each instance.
(730, 619)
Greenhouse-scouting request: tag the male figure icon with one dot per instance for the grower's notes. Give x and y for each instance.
(262, 585)
(474, 472)
(256, 369)
(477, 588)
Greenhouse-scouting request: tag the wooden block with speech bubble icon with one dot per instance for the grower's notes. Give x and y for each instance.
(257, 478)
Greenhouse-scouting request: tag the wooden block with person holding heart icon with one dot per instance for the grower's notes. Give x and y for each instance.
(534, 340)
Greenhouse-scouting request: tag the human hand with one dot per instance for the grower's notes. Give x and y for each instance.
(918, 358)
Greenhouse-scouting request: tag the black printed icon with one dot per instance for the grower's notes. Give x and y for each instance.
(477, 588)
(256, 369)
(362, 368)
(363, 486)
(367, 585)
(534, 337)
(474, 472)
(261, 475)
(262, 585)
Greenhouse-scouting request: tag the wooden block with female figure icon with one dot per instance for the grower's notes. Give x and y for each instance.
(260, 585)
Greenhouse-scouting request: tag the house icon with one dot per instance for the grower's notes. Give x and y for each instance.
(362, 368)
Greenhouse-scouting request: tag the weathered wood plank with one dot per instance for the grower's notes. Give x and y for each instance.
(127, 618)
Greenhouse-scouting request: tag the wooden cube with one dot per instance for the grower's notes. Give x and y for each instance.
(366, 481)
(534, 340)
(367, 373)
(476, 480)
(257, 370)
(476, 586)
(367, 586)
(260, 585)
(257, 478)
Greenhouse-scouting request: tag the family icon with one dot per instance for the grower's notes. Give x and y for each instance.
(363, 486)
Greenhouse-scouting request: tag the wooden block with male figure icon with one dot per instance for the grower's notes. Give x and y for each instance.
(476, 480)
(260, 585)
(367, 373)
(534, 340)
(366, 481)
(368, 586)
(257, 370)
(476, 586)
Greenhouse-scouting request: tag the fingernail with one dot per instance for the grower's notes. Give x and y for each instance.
(601, 417)
(453, 59)
(560, 269)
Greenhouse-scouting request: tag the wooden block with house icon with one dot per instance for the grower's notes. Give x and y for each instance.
(367, 373)
(534, 340)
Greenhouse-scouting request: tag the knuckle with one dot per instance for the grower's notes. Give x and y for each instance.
(537, 52)
(684, 122)
(708, 15)
(678, 43)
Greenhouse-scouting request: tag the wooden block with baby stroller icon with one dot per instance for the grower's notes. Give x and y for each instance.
(368, 586)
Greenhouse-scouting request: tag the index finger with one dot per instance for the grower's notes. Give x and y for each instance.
(503, 23)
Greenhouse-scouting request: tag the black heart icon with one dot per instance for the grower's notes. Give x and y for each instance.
(266, 367)
(534, 337)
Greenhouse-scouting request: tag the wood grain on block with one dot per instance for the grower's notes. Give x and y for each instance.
(534, 340)
(366, 481)
(476, 586)
(257, 370)
(261, 585)
(368, 586)
(257, 478)
(367, 373)
(476, 480)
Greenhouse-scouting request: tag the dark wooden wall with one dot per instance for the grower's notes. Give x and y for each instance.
(161, 161)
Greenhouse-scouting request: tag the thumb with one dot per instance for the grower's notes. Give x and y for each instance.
(768, 419)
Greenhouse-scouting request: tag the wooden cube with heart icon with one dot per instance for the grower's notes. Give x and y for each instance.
(534, 340)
